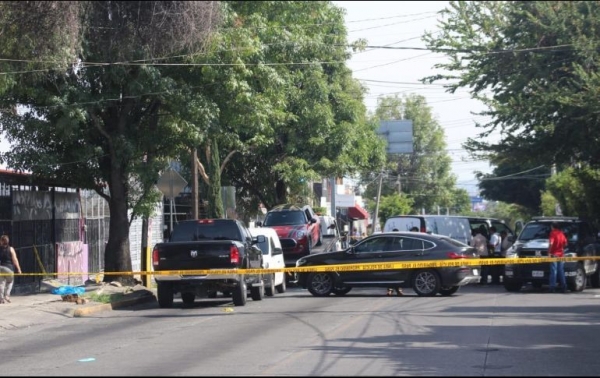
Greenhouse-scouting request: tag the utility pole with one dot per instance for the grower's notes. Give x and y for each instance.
(377, 203)
(194, 184)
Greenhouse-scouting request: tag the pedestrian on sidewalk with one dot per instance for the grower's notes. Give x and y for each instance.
(8, 263)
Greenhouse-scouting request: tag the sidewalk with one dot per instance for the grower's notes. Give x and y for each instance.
(34, 309)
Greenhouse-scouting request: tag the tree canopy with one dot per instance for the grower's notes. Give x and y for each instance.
(534, 64)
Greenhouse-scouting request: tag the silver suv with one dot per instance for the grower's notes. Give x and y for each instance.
(532, 242)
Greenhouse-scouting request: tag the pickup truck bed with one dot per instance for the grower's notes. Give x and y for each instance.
(207, 244)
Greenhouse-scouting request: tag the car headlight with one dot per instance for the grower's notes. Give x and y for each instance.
(300, 234)
(511, 253)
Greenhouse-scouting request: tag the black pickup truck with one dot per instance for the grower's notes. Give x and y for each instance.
(203, 245)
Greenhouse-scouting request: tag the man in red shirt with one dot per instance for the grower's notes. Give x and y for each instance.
(557, 243)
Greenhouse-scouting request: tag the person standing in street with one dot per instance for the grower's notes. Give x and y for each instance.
(495, 250)
(8, 263)
(479, 242)
(557, 243)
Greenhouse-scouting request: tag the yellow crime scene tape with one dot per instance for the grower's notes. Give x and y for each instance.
(334, 268)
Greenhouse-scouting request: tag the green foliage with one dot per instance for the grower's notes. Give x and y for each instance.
(508, 212)
(394, 205)
(424, 175)
(514, 182)
(316, 125)
(576, 190)
(534, 65)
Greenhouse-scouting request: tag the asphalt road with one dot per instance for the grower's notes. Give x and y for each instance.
(481, 331)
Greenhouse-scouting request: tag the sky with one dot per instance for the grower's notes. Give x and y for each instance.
(389, 71)
(401, 24)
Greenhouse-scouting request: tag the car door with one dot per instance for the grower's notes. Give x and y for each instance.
(369, 250)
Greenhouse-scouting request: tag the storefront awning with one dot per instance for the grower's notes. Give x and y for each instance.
(357, 212)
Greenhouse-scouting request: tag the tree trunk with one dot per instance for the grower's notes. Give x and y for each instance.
(215, 202)
(280, 192)
(117, 256)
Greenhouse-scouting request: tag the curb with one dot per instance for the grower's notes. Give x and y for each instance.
(86, 311)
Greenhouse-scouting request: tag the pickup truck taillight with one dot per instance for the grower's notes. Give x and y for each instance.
(234, 254)
(155, 257)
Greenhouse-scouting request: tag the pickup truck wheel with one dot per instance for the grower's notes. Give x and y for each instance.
(240, 294)
(257, 292)
(577, 282)
(188, 298)
(270, 286)
(283, 286)
(164, 291)
(320, 284)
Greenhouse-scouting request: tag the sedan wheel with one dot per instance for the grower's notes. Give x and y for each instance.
(320, 284)
(339, 291)
(446, 291)
(426, 283)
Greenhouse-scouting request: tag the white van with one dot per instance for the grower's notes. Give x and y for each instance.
(455, 226)
(272, 258)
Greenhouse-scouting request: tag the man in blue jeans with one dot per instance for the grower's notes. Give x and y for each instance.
(557, 243)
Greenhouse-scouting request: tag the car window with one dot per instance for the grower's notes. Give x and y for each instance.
(501, 227)
(535, 231)
(402, 224)
(285, 218)
(264, 246)
(411, 244)
(372, 245)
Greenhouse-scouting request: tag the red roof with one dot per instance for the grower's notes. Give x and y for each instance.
(357, 212)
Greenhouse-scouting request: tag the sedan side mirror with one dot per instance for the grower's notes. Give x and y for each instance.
(313, 220)
(258, 224)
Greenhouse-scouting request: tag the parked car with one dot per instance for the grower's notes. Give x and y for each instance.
(390, 247)
(455, 226)
(272, 259)
(298, 229)
(582, 241)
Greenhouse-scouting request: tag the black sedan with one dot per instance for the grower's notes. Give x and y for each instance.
(392, 247)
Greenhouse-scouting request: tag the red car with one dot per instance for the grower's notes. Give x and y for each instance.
(298, 229)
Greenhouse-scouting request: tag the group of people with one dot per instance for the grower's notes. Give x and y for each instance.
(497, 244)
(494, 246)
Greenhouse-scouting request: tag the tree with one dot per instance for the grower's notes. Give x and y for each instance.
(516, 183)
(534, 64)
(318, 127)
(394, 204)
(109, 120)
(425, 174)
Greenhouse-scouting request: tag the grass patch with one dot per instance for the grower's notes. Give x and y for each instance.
(104, 297)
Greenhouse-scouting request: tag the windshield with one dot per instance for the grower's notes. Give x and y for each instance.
(285, 218)
(542, 231)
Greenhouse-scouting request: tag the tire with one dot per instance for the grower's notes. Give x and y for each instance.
(270, 286)
(447, 291)
(211, 294)
(595, 278)
(426, 283)
(577, 283)
(258, 292)
(188, 298)
(283, 286)
(308, 246)
(513, 286)
(164, 292)
(319, 284)
(240, 293)
(341, 291)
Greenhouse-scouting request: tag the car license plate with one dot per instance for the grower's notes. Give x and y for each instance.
(537, 273)
(475, 272)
